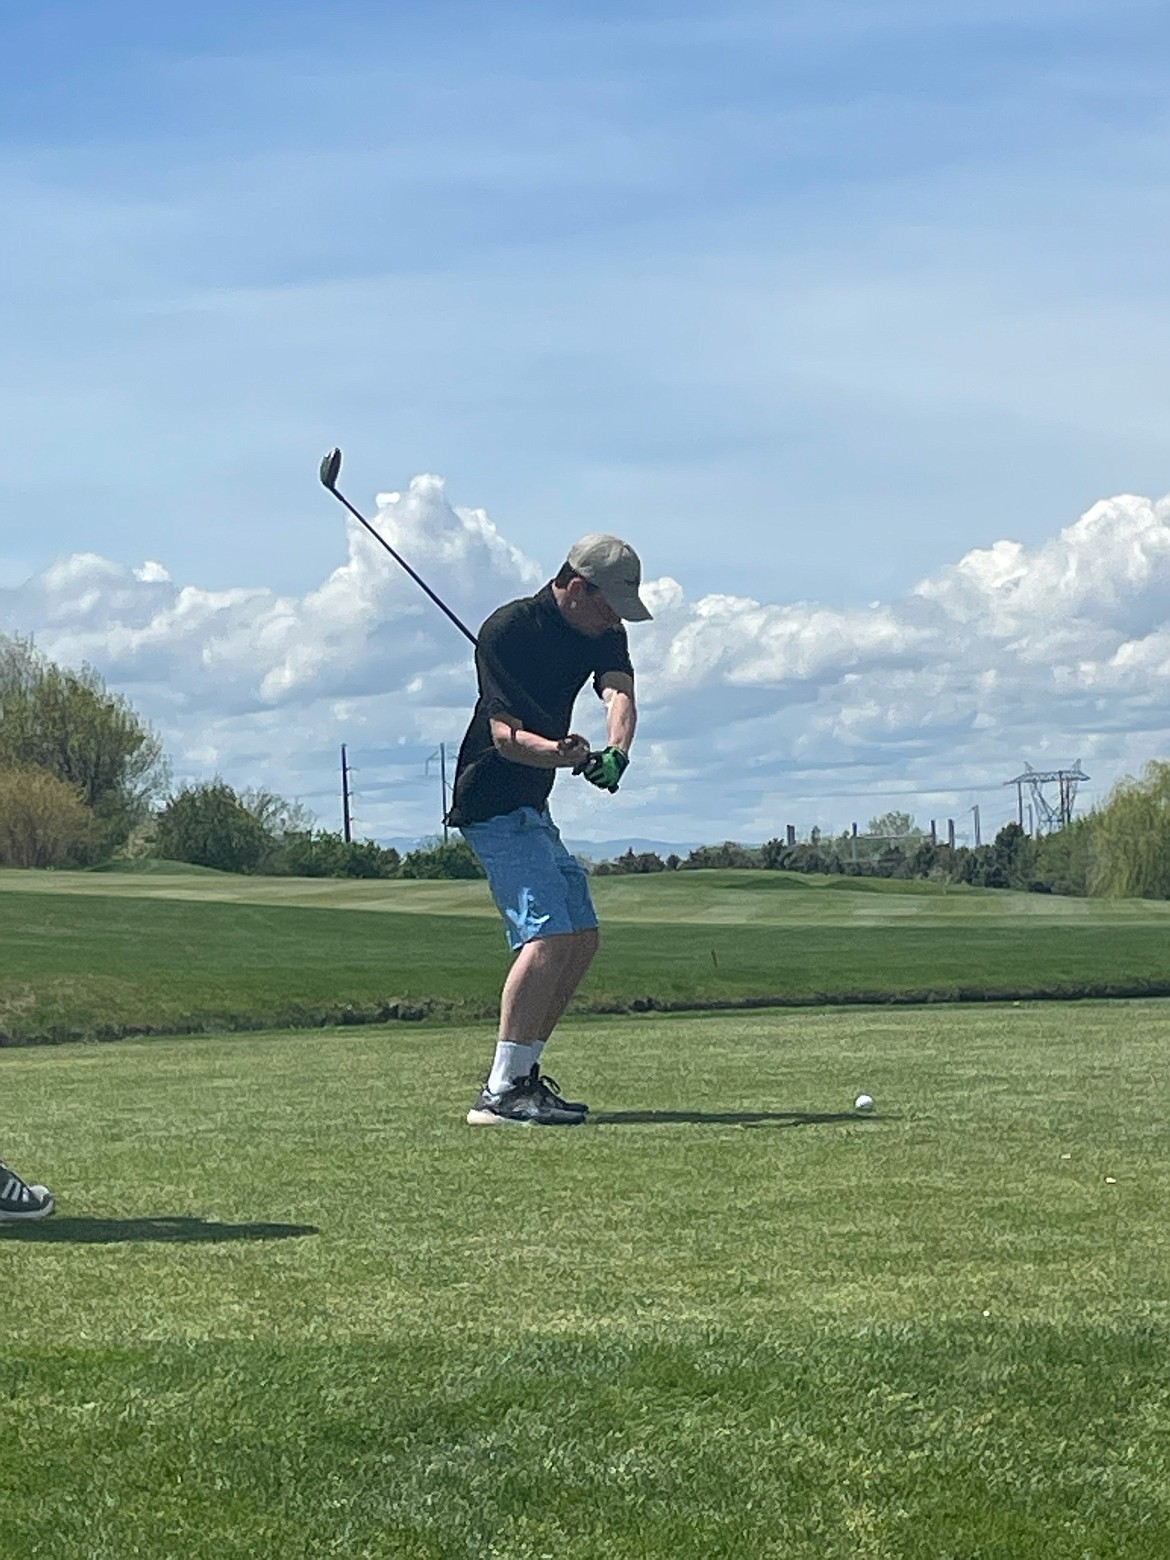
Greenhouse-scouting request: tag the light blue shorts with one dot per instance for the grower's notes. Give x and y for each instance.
(539, 888)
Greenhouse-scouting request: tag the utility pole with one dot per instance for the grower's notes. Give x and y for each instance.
(441, 754)
(346, 826)
(443, 784)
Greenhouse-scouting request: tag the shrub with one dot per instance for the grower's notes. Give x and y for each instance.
(455, 859)
(729, 854)
(632, 861)
(319, 853)
(209, 825)
(69, 724)
(43, 820)
(1064, 859)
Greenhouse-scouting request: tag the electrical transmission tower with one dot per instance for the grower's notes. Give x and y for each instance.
(1047, 815)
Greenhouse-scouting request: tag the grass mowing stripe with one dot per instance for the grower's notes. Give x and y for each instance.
(83, 966)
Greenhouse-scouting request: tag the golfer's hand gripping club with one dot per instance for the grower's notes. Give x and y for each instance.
(605, 770)
(575, 751)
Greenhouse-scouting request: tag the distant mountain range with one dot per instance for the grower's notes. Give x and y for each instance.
(595, 850)
(606, 850)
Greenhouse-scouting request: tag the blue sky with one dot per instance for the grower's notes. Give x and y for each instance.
(809, 299)
(860, 285)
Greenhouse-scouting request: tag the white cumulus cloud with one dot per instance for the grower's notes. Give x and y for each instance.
(754, 714)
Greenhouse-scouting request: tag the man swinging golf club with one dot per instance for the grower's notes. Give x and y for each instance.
(532, 659)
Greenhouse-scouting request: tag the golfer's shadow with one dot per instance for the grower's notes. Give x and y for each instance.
(176, 1231)
(725, 1118)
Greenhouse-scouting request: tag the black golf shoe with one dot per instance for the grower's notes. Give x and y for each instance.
(19, 1201)
(526, 1102)
(550, 1090)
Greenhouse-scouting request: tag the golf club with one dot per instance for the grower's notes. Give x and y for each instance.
(330, 471)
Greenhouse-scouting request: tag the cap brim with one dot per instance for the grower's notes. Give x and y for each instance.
(631, 608)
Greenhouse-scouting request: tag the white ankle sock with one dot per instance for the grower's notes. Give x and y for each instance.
(512, 1061)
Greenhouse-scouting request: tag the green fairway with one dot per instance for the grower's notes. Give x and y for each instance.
(702, 898)
(291, 1306)
(98, 955)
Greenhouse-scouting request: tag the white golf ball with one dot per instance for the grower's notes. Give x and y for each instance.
(863, 1102)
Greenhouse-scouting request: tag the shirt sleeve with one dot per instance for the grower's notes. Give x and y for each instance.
(504, 652)
(613, 655)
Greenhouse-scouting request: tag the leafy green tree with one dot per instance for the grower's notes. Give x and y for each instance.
(1012, 856)
(772, 854)
(278, 816)
(975, 867)
(1064, 859)
(1007, 863)
(69, 724)
(43, 821)
(209, 825)
(1131, 844)
(892, 825)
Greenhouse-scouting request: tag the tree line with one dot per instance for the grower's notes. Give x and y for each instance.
(83, 779)
(1121, 849)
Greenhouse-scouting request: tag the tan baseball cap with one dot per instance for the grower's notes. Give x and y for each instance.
(615, 568)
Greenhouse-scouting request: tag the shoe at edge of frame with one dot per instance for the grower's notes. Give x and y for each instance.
(19, 1201)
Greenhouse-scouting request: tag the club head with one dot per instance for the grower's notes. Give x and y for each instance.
(330, 469)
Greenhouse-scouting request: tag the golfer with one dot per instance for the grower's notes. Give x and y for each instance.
(532, 659)
(19, 1201)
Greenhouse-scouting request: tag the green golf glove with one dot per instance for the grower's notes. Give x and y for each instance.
(604, 770)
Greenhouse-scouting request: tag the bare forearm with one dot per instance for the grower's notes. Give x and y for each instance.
(536, 752)
(525, 747)
(621, 720)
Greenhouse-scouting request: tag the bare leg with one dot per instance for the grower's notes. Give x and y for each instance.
(586, 944)
(543, 977)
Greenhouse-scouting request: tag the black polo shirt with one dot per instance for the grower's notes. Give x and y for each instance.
(531, 664)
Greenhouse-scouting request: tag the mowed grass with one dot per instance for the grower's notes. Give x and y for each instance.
(98, 955)
(291, 1306)
(705, 897)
